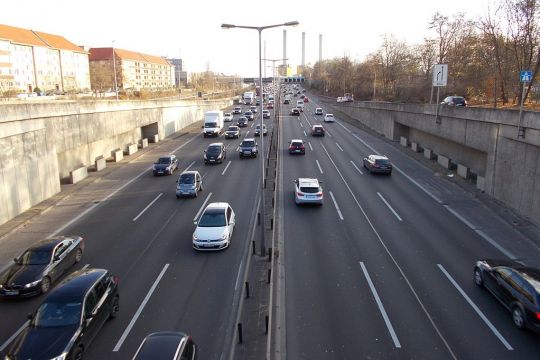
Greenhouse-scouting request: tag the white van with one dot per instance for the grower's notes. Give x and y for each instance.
(287, 99)
(213, 123)
(300, 103)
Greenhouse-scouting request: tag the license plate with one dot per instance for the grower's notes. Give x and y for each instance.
(311, 196)
(212, 160)
(247, 153)
(296, 150)
(12, 292)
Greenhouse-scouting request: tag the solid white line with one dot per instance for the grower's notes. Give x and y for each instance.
(302, 125)
(147, 206)
(387, 204)
(319, 165)
(226, 167)
(381, 307)
(339, 123)
(328, 133)
(305, 133)
(311, 147)
(463, 220)
(85, 267)
(238, 276)
(190, 165)
(8, 341)
(419, 186)
(494, 243)
(336, 205)
(140, 309)
(339, 147)
(202, 207)
(356, 167)
(478, 311)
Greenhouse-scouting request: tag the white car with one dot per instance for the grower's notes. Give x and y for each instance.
(318, 111)
(228, 117)
(237, 110)
(253, 109)
(214, 228)
(329, 118)
(307, 191)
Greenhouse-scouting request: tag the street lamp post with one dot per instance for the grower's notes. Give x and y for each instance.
(114, 69)
(260, 29)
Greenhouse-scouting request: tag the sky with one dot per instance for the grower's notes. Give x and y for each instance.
(192, 29)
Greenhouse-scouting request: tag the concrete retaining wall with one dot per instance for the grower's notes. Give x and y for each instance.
(42, 143)
(483, 140)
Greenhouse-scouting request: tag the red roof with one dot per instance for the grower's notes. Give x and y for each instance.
(36, 38)
(106, 54)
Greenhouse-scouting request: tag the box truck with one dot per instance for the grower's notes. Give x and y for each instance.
(213, 123)
(249, 97)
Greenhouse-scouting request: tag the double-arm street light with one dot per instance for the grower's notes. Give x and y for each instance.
(262, 153)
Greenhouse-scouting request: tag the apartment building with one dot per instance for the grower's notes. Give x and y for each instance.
(32, 59)
(134, 70)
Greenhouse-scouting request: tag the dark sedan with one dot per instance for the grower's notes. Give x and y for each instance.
(242, 121)
(165, 165)
(516, 284)
(40, 266)
(69, 318)
(378, 164)
(248, 148)
(167, 345)
(233, 132)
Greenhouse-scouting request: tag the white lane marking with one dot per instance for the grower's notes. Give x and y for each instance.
(356, 167)
(478, 311)
(387, 204)
(238, 276)
(328, 133)
(495, 244)
(336, 205)
(307, 120)
(190, 165)
(147, 206)
(340, 148)
(339, 123)
(426, 191)
(305, 133)
(226, 167)
(8, 341)
(395, 339)
(140, 309)
(311, 147)
(319, 165)
(202, 207)
(302, 125)
(85, 267)
(246, 134)
(402, 273)
(81, 215)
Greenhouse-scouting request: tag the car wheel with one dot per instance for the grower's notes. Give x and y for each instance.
(45, 285)
(115, 307)
(518, 317)
(78, 255)
(196, 193)
(478, 278)
(177, 196)
(77, 354)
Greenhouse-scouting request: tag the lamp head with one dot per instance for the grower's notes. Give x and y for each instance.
(227, 26)
(291, 23)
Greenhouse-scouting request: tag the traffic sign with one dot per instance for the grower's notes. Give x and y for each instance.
(525, 76)
(440, 74)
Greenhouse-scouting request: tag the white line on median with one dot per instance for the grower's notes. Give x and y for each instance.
(190, 165)
(140, 309)
(238, 275)
(340, 148)
(336, 205)
(319, 165)
(381, 307)
(226, 167)
(387, 204)
(202, 207)
(356, 167)
(147, 206)
(311, 147)
(478, 311)
(85, 267)
(8, 341)
(305, 133)
(328, 133)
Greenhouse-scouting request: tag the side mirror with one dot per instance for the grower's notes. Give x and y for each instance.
(232, 222)
(194, 222)
(56, 258)
(16, 260)
(202, 127)
(204, 150)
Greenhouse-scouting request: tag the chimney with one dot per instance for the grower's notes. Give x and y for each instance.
(320, 47)
(303, 49)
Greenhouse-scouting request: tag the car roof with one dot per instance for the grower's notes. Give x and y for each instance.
(317, 125)
(378, 157)
(297, 140)
(329, 115)
(166, 343)
(189, 172)
(249, 139)
(308, 182)
(75, 286)
(217, 205)
(216, 144)
(47, 244)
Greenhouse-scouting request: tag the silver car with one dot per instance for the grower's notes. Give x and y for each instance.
(214, 228)
(189, 184)
(308, 191)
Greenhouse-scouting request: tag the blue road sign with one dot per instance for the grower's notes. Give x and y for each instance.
(525, 76)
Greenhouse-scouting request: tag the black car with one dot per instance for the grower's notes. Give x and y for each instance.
(516, 284)
(258, 130)
(165, 165)
(167, 345)
(317, 130)
(215, 153)
(378, 164)
(233, 132)
(454, 101)
(40, 266)
(69, 318)
(248, 147)
(249, 115)
(242, 121)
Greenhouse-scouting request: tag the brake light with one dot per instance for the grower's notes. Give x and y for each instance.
(538, 316)
(300, 193)
(320, 194)
(302, 147)
(116, 280)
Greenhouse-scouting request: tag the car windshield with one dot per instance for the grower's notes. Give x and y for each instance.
(212, 219)
(164, 160)
(296, 144)
(210, 125)
(213, 150)
(382, 161)
(309, 189)
(35, 257)
(232, 128)
(187, 179)
(57, 314)
(248, 143)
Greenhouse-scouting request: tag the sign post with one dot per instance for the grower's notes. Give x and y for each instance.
(440, 78)
(525, 77)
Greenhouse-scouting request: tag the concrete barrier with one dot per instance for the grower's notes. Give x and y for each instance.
(131, 149)
(117, 155)
(143, 143)
(78, 174)
(463, 171)
(428, 153)
(443, 161)
(403, 141)
(481, 183)
(155, 138)
(415, 147)
(100, 163)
